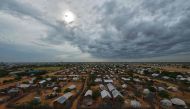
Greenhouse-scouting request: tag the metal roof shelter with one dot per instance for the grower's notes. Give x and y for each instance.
(102, 87)
(88, 93)
(63, 98)
(98, 80)
(177, 101)
(108, 80)
(165, 103)
(72, 87)
(105, 94)
(110, 87)
(116, 93)
(43, 81)
(135, 104)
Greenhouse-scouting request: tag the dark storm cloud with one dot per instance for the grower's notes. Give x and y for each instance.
(165, 30)
(120, 29)
(22, 10)
(151, 29)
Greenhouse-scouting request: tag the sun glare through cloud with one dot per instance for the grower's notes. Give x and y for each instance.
(68, 17)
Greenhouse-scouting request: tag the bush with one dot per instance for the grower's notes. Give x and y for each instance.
(164, 94)
(3, 73)
(18, 78)
(152, 89)
(95, 94)
(67, 90)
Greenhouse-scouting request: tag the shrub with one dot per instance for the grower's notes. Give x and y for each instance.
(3, 73)
(152, 89)
(164, 94)
(67, 90)
(95, 94)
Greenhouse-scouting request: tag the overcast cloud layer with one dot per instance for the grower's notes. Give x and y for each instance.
(104, 30)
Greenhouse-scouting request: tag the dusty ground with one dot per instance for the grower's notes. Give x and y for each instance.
(175, 69)
(26, 98)
(5, 78)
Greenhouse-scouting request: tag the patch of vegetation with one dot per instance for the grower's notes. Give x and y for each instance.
(164, 94)
(8, 81)
(3, 73)
(152, 89)
(170, 74)
(95, 94)
(49, 68)
(67, 90)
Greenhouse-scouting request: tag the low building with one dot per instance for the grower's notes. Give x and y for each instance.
(108, 80)
(135, 104)
(63, 102)
(165, 104)
(71, 87)
(98, 80)
(88, 98)
(116, 94)
(102, 87)
(105, 94)
(23, 86)
(178, 103)
(110, 87)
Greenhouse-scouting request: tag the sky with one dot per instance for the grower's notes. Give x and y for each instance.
(94, 30)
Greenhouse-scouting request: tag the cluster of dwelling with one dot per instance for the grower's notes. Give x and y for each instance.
(174, 77)
(52, 86)
(116, 87)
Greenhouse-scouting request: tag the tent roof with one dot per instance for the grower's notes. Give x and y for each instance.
(105, 94)
(88, 93)
(178, 101)
(116, 93)
(135, 104)
(63, 98)
(110, 87)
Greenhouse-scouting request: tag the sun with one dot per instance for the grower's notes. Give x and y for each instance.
(68, 17)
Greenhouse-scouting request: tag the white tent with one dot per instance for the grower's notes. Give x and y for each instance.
(63, 98)
(88, 93)
(124, 86)
(98, 80)
(135, 104)
(72, 87)
(177, 101)
(105, 94)
(165, 103)
(102, 87)
(172, 88)
(43, 81)
(24, 85)
(146, 91)
(110, 87)
(108, 80)
(161, 89)
(136, 80)
(55, 88)
(155, 75)
(116, 93)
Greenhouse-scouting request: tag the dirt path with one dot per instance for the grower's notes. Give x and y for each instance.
(3, 106)
(75, 103)
(13, 83)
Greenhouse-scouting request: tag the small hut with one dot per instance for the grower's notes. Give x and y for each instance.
(88, 98)
(135, 104)
(165, 104)
(64, 101)
(178, 103)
